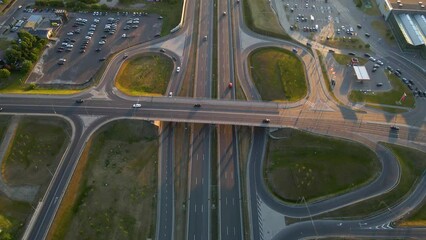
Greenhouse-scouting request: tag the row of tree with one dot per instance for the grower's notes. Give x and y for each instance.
(22, 53)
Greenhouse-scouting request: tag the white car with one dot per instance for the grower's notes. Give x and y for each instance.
(70, 33)
(102, 42)
(88, 37)
(137, 105)
(96, 20)
(372, 59)
(178, 69)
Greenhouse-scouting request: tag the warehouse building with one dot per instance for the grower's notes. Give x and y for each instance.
(407, 19)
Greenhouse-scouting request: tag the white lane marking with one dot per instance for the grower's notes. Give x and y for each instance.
(203, 156)
(195, 207)
(196, 181)
(233, 201)
(202, 181)
(227, 230)
(202, 208)
(226, 201)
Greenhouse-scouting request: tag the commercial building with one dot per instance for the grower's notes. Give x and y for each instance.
(407, 19)
(33, 22)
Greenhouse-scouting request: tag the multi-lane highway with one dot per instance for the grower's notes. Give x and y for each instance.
(229, 193)
(316, 113)
(199, 200)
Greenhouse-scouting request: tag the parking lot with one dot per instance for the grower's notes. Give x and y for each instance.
(82, 44)
(317, 19)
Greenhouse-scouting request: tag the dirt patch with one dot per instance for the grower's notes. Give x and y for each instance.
(112, 192)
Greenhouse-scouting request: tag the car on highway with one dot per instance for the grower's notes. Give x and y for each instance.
(170, 94)
(79, 101)
(1, 109)
(162, 50)
(197, 105)
(230, 85)
(178, 69)
(137, 105)
(266, 120)
(224, 13)
(294, 50)
(205, 38)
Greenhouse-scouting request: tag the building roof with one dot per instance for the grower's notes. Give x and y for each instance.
(361, 73)
(35, 18)
(421, 22)
(43, 32)
(409, 28)
(407, 4)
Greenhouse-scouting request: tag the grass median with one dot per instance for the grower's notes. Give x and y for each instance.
(412, 166)
(34, 153)
(146, 74)
(278, 74)
(112, 194)
(302, 165)
(389, 98)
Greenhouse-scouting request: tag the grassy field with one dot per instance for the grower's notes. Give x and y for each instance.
(381, 27)
(147, 74)
(343, 59)
(312, 166)
(112, 192)
(412, 163)
(260, 18)
(36, 149)
(278, 74)
(339, 42)
(388, 98)
(170, 10)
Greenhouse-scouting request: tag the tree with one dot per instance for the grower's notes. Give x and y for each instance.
(4, 73)
(13, 57)
(26, 66)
